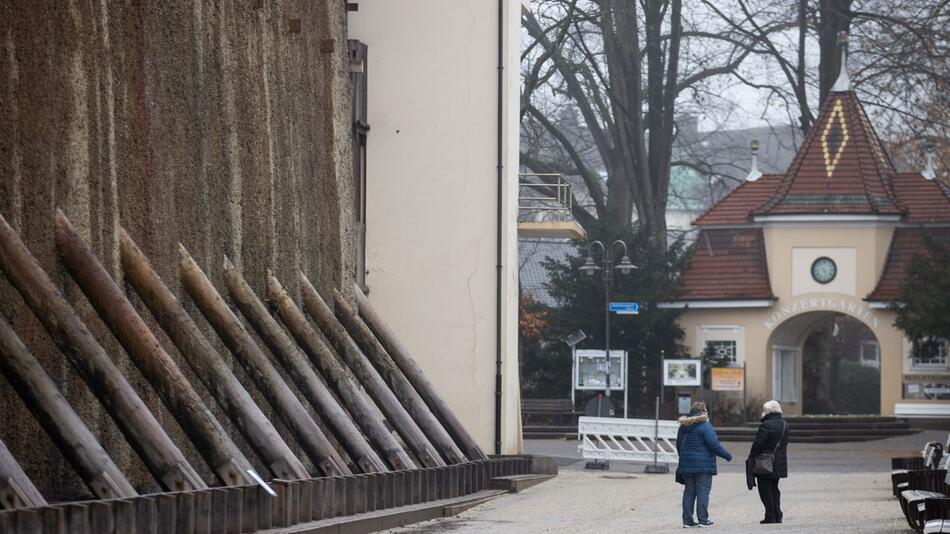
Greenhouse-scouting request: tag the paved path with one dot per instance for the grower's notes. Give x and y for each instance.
(833, 488)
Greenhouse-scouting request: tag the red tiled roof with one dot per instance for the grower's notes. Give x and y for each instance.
(926, 201)
(727, 264)
(840, 168)
(905, 243)
(735, 207)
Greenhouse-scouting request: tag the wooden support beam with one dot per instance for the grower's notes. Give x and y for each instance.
(143, 432)
(207, 364)
(286, 405)
(374, 384)
(400, 354)
(59, 420)
(339, 377)
(16, 489)
(410, 399)
(211, 440)
(301, 371)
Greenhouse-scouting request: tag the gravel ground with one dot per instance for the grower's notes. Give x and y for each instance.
(579, 501)
(833, 488)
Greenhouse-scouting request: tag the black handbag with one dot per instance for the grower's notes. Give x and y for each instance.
(680, 479)
(765, 462)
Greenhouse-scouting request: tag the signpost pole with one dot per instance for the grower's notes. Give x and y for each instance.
(745, 414)
(656, 468)
(626, 385)
(606, 258)
(573, 373)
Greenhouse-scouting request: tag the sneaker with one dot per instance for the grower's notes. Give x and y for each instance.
(691, 524)
(704, 524)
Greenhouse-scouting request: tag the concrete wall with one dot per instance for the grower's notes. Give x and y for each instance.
(431, 228)
(223, 125)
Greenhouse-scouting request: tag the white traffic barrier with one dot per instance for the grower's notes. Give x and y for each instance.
(630, 440)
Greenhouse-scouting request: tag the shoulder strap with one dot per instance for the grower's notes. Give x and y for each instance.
(780, 438)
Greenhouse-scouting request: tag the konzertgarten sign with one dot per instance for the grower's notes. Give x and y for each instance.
(850, 307)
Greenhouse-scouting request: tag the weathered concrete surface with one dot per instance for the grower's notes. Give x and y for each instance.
(217, 124)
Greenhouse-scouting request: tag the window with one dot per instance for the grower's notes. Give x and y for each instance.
(725, 349)
(870, 354)
(785, 374)
(929, 354)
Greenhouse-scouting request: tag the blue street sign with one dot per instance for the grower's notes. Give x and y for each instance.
(625, 308)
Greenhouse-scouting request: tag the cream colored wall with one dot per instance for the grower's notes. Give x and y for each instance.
(431, 195)
(867, 242)
(750, 342)
(859, 251)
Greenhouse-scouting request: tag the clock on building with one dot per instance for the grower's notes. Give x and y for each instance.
(824, 270)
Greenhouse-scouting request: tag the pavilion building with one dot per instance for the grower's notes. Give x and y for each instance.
(831, 237)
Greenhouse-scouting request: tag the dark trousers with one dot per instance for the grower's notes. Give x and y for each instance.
(771, 497)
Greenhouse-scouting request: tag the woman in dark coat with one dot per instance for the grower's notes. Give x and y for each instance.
(772, 436)
(698, 446)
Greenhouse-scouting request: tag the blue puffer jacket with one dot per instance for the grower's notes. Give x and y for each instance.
(698, 446)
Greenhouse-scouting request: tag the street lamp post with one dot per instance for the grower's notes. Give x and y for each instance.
(590, 267)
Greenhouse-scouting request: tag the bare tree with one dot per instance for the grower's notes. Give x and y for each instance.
(602, 79)
(899, 59)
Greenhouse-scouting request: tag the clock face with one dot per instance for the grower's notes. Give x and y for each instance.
(824, 270)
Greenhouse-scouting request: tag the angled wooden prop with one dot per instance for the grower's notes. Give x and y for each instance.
(59, 420)
(400, 354)
(143, 432)
(210, 439)
(287, 406)
(339, 377)
(394, 411)
(400, 385)
(301, 371)
(208, 365)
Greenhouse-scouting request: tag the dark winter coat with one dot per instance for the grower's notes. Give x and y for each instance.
(770, 431)
(698, 446)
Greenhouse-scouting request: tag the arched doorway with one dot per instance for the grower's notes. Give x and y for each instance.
(826, 363)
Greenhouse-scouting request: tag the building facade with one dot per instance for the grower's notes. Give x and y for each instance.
(441, 193)
(289, 137)
(831, 237)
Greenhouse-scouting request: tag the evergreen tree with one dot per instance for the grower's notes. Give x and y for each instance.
(546, 360)
(924, 309)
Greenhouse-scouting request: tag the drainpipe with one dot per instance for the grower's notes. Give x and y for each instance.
(498, 250)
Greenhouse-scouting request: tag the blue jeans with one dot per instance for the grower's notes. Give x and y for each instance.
(696, 491)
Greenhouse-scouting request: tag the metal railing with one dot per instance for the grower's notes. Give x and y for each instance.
(544, 197)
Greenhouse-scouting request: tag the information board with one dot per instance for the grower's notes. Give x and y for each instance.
(686, 372)
(590, 370)
(727, 378)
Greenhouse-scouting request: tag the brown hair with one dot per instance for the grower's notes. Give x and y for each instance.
(698, 407)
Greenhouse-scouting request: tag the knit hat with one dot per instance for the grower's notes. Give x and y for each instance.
(771, 407)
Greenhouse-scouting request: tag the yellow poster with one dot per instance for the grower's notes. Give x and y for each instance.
(727, 378)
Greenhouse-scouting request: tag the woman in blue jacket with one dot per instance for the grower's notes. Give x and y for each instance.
(698, 446)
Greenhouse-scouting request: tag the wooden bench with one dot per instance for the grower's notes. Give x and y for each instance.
(921, 485)
(555, 412)
(931, 457)
(936, 515)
